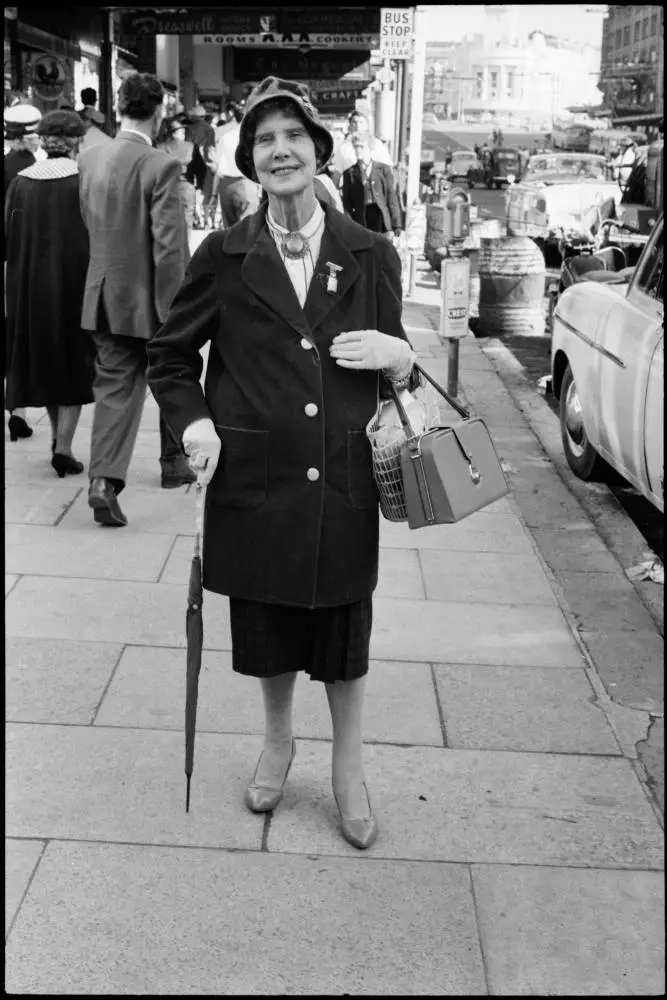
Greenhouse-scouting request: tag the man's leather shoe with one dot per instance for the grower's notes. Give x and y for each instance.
(104, 502)
(177, 473)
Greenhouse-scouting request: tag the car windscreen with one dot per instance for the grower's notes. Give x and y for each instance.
(567, 166)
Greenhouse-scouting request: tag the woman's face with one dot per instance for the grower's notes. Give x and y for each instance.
(284, 154)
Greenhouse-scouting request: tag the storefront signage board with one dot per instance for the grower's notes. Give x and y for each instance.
(293, 40)
(254, 21)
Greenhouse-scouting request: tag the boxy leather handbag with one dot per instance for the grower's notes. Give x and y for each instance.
(441, 475)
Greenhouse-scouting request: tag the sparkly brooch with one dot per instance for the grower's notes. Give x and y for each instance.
(295, 246)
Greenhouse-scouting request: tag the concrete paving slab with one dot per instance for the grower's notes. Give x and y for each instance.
(63, 681)
(603, 601)
(10, 581)
(574, 550)
(89, 552)
(21, 858)
(570, 932)
(522, 708)
(432, 631)
(145, 614)
(631, 666)
(499, 578)
(149, 511)
(400, 574)
(482, 532)
(89, 783)
(25, 505)
(474, 806)
(541, 510)
(147, 691)
(203, 923)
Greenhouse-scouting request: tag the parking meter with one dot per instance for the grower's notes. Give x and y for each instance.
(455, 283)
(458, 206)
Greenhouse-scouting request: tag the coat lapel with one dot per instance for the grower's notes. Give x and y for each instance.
(341, 237)
(264, 273)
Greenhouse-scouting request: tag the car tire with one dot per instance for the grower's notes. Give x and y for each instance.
(579, 452)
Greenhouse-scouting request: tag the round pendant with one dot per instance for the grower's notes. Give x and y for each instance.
(295, 246)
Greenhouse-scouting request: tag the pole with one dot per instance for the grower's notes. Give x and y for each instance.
(399, 70)
(417, 105)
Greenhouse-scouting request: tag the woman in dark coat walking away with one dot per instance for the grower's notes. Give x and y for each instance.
(302, 309)
(50, 358)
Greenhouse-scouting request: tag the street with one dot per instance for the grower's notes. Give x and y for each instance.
(534, 354)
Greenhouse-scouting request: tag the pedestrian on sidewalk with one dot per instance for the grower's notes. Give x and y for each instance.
(25, 148)
(131, 205)
(50, 359)
(239, 196)
(369, 192)
(302, 309)
(175, 144)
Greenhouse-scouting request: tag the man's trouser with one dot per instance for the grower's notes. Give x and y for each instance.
(238, 198)
(120, 391)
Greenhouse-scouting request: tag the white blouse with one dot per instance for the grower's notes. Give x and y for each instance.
(301, 271)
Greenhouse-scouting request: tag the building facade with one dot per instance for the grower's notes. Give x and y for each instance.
(632, 66)
(507, 75)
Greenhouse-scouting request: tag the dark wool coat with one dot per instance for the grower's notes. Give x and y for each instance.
(49, 359)
(292, 510)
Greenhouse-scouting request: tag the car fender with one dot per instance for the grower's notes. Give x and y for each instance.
(575, 341)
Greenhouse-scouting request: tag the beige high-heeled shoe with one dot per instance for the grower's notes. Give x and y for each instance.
(262, 798)
(361, 833)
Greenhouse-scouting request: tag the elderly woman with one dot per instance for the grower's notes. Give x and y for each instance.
(50, 359)
(302, 309)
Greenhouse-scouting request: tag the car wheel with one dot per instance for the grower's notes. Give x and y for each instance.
(580, 454)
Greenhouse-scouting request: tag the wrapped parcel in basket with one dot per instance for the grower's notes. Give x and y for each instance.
(386, 435)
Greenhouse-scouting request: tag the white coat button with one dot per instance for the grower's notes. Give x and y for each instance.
(313, 475)
(306, 344)
(310, 410)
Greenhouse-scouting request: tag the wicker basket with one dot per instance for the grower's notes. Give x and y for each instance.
(387, 439)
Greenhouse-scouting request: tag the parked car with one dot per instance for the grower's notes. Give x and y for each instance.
(556, 192)
(462, 161)
(607, 369)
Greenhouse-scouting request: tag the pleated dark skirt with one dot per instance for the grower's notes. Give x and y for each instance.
(329, 644)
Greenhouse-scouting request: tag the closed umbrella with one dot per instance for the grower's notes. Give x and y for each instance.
(194, 630)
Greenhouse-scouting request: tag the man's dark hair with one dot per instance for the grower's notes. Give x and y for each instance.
(89, 97)
(235, 109)
(139, 95)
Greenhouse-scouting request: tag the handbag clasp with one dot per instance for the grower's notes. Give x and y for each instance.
(475, 474)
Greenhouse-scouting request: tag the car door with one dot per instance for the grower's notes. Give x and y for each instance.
(627, 342)
(654, 424)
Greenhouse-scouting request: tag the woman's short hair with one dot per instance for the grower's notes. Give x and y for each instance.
(285, 106)
(139, 95)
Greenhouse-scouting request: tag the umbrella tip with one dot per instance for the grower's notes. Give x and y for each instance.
(187, 794)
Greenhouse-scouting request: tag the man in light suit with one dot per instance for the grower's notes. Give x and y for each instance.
(131, 205)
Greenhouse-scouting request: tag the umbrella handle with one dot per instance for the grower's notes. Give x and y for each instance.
(200, 493)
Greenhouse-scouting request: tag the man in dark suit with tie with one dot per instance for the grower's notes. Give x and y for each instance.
(131, 205)
(369, 192)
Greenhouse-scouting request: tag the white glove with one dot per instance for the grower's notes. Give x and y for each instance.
(371, 349)
(202, 446)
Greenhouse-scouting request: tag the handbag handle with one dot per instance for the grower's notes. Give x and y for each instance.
(401, 409)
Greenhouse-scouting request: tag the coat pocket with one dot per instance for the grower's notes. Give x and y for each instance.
(241, 478)
(362, 490)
